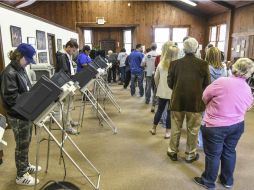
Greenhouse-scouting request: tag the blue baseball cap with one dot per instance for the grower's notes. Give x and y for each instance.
(27, 51)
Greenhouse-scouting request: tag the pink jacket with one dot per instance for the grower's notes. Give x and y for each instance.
(227, 100)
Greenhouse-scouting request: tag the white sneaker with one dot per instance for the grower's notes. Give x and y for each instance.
(74, 123)
(167, 135)
(70, 130)
(26, 179)
(32, 169)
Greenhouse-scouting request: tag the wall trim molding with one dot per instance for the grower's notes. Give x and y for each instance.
(95, 25)
(240, 34)
(34, 16)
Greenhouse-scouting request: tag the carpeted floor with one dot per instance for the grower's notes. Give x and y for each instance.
(130, 160)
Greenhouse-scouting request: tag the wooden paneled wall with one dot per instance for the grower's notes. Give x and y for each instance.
(145, 14)
(219, 19)
(244, 20)
(242, 28)
(243, 32)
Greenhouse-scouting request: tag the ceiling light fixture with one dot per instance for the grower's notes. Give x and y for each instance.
(189, 2)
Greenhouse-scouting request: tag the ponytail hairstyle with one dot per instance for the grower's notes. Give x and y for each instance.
(15, 55)
(169, 53)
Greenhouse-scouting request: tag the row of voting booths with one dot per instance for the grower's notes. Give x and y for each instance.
(50, 93)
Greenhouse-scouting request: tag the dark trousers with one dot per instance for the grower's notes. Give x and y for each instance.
(22, 133)
(139, 77)
(154, 89)
(161, 106)
(148, 88)
(219, 148)
(112, 73)
(122, 73)
(127, 78)
(1, 155)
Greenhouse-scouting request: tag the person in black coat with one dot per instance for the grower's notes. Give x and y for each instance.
(14, 82)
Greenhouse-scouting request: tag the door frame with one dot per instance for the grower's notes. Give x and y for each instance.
(2, 62)
(53, 47)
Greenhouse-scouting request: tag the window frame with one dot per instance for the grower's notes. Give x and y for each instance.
(91, 35)
(217, 39)
(171, 27)
(129, 43)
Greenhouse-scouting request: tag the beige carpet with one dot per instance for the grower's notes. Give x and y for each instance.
(130, 160)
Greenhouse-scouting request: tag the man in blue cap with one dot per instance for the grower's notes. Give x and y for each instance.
(14, 82)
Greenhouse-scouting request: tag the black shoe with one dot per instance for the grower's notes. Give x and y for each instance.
(173, 156)
(199, 181)
(193, 159)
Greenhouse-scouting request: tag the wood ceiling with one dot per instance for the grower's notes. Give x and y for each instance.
(208, 8)
(204, 8)
(13, 3)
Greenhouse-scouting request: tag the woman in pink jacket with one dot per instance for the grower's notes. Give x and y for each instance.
(224, 123)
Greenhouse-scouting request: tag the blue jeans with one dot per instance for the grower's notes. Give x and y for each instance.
(219, 147)
(138, 77)
(148, 88)
(161, 107)
(122, 73)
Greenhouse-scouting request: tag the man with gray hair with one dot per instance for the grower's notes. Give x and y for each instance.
(187, 77)
(112, 58)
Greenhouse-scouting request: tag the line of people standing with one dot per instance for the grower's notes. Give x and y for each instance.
(191, 93)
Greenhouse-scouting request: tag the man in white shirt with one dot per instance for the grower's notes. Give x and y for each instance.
(121, 58)
(64, 63)
(149, 64)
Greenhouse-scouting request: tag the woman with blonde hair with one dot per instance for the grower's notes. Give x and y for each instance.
(169, 53)
(216, 67)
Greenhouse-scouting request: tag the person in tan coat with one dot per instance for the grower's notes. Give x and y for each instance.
(187, 77)
(169, 53)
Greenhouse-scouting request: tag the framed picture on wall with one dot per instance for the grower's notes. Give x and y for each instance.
(41, 40)
(43, 57)
(31, 41)
(16, 37)
(59, 44)
(75, 40)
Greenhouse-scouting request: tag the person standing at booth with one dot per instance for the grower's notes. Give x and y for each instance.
(83, 58)
(14, 82)
(64, 63)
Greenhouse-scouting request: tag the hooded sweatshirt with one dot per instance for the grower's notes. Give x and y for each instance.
(217, 73)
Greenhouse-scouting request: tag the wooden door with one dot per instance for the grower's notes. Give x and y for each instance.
(2, 64)
(250, 51)
(52, 49)
(108, 45)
